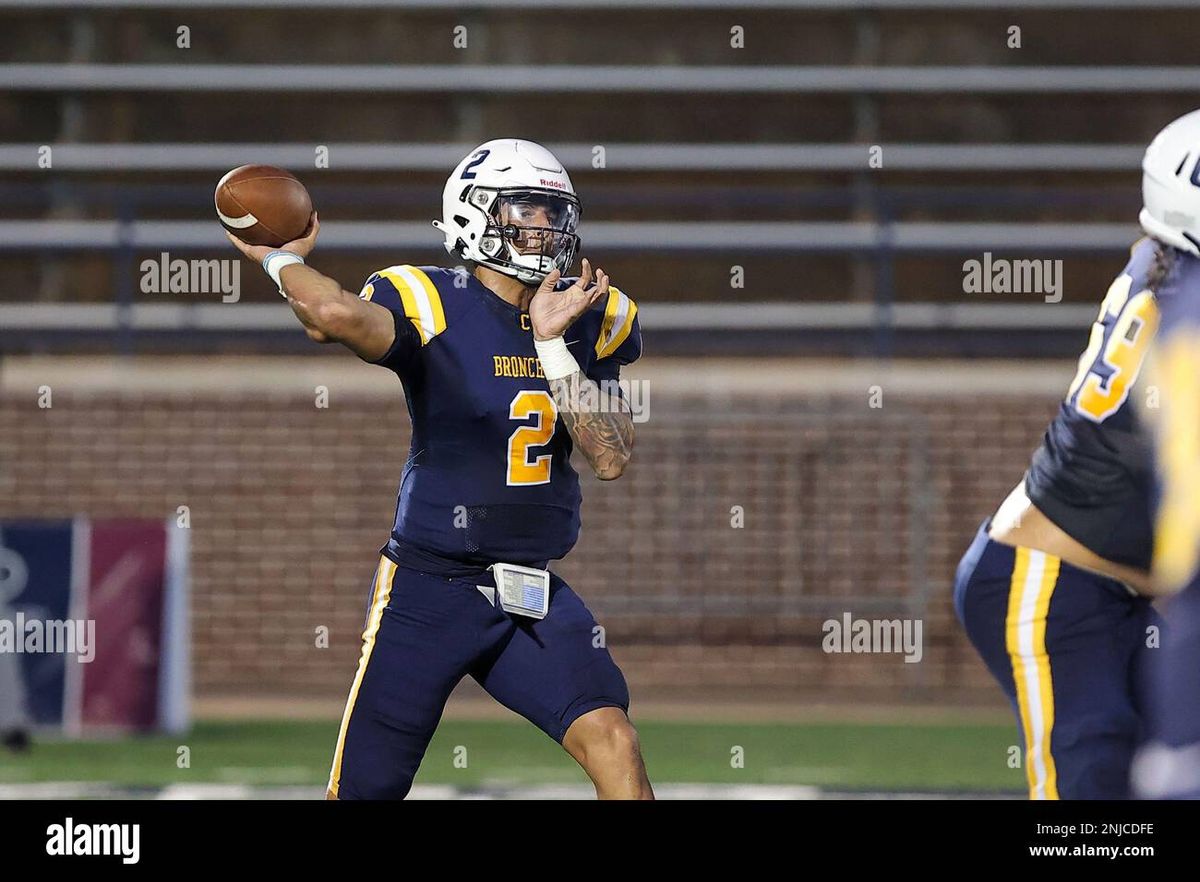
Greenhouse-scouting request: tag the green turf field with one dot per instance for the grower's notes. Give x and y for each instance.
(832, 756)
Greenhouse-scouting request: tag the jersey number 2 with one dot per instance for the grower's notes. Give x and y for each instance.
(1118, 344)
(526, 404)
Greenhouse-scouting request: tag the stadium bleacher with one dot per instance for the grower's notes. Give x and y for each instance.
(713, 156)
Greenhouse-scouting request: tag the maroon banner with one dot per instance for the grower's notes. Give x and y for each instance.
(127, 573)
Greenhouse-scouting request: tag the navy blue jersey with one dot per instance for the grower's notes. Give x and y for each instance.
(1175, 370)
(1093, 473)
(488, 476)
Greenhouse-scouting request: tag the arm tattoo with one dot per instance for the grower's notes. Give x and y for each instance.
(599, 423)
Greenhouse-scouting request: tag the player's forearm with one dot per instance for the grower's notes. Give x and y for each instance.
(322, 305)
(600, 424)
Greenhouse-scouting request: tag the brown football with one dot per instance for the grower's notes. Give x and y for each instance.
(263, 205)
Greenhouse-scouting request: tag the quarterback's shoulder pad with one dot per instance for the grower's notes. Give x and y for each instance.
(425, 294)
(611, 326)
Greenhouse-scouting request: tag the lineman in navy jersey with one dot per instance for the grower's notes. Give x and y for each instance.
(1054, 590)
(506, 367)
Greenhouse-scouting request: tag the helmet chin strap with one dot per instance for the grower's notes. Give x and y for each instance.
(526, 272)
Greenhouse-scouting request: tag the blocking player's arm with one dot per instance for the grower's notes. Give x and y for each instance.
(329, 313)
(1176, 372)
(600, 422)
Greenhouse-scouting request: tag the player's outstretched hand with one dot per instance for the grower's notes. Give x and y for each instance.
(301, 246)
(552, 312)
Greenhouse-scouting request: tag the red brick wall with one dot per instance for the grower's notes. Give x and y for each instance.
(845, 508)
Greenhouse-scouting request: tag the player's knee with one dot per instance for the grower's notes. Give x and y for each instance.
(607, 732)
(621, 739)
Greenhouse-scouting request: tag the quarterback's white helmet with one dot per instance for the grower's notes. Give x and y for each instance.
(509, 205)
(1171, 185)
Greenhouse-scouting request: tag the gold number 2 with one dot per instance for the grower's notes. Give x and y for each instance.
(526, 404)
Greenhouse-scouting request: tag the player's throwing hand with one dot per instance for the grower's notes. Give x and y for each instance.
(552, 312)
(302, 246)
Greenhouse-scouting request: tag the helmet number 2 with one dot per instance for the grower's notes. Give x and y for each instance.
(467, 174)
(531, 403)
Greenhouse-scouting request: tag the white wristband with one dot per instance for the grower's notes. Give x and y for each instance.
(277, 260)
(557, 361)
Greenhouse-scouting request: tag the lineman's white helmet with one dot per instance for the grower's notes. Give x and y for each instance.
(509, 205)
(1171, 185)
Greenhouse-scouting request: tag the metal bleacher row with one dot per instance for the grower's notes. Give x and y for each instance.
(755, 157)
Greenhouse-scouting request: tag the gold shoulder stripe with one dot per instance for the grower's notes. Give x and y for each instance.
(610, 314)
(422, 302)
(619, 313)
(411, 311)
(622, 333)
(437, 313)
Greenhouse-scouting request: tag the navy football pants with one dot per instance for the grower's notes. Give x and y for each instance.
(1069, 649)
(424, 634)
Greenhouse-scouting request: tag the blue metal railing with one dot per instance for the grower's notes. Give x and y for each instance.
(878, 236)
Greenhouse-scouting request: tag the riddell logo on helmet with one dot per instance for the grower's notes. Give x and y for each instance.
(559, 185)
